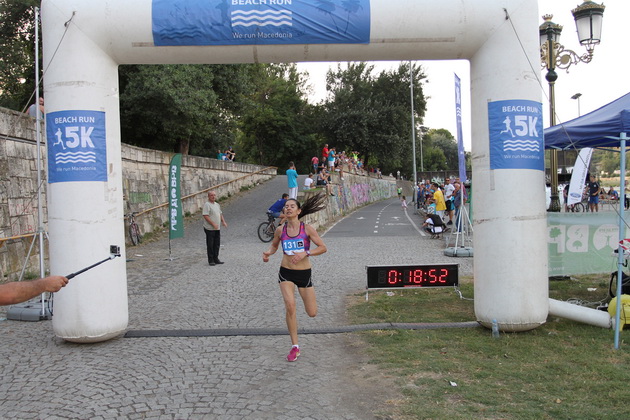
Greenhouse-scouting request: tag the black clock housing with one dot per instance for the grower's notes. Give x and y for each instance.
(422, 275)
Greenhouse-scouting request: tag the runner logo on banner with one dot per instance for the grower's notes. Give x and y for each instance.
(77, 150)
(175, 215)
(516, 135)
(259, 22)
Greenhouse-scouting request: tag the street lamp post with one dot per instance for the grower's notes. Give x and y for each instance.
(413, 129)
(577, 96)
(588, 21)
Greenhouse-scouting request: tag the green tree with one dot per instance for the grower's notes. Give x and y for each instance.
(277, 123)
(185, 108)
(372, 113)
(17, 53)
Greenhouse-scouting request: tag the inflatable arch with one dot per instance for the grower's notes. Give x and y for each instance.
(85, 41)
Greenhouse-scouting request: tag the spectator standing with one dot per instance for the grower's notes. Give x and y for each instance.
(448, 197)
(325, 153)
(32, 110)
(438, 198)
(292, 177)
(331, 160)
(593, 194)
(212, 220)
(315, 163)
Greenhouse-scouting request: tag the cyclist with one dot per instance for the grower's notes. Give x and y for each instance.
(276, 209)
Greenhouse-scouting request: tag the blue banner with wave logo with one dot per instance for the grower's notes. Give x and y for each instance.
(260, 22)
(76, 143)
(516, 135)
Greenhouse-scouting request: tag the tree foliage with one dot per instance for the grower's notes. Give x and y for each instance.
(277, 124)
(17, 53)
(371, 113)
(182, 107)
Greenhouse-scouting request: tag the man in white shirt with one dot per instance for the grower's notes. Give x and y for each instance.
(212, 220)
(448, 197)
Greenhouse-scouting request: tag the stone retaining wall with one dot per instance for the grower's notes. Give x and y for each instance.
(145, 180)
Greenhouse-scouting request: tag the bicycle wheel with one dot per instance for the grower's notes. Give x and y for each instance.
(265, 231)
(134, 233)
(578, 207)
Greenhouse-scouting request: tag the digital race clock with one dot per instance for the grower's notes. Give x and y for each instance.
(426, 275)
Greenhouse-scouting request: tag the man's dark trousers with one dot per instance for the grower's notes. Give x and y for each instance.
(213, 243)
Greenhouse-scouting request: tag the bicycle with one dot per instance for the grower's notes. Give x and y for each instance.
(577, 208)
(267, 229)
(134, 229)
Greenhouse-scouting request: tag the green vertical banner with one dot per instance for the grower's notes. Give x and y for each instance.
(175, 213)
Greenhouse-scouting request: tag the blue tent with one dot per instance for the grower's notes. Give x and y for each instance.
(593, 129)
(607, 126)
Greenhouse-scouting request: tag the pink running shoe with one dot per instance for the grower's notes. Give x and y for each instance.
(293, 354)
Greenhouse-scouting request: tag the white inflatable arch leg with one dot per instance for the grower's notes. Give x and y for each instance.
(85, 41)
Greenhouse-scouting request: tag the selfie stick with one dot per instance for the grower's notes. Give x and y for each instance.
(114, 252)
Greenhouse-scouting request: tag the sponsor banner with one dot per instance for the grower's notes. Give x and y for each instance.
(578, 176)
(175, 213)
(582, 243)
(260, 22)
(77, 148)
(516, 135)
(460, 137)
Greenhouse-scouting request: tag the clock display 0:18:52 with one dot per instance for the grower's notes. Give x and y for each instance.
(413, 276)
(436, 276)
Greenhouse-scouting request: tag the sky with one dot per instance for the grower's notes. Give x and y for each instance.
(604, 79)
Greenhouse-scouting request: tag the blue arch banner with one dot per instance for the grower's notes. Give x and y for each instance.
(260, 22)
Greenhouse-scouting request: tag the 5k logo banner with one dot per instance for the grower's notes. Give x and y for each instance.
(77, 149)
(516, 135)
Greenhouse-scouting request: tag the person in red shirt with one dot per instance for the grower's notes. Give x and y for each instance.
(325, 153)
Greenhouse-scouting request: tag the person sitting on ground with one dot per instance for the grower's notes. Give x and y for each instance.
(308, 182)
(276, 209)
(21, 291)
(323, 180)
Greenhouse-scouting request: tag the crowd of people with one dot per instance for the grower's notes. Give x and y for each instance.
(442, 203)
(593, 194)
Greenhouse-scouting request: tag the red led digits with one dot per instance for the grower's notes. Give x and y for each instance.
(392, 277)
(425, 275)
(443, 276)
(415, 276)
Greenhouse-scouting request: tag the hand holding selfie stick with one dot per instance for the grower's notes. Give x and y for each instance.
(114, 252)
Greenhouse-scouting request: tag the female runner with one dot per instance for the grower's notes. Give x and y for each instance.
(295, 269)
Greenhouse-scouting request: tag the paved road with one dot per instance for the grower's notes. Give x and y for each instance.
(219, 377)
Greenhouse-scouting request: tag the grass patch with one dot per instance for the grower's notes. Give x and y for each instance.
(560, 370)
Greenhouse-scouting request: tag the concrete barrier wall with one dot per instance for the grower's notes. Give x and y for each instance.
(353, 192)
(145, 182)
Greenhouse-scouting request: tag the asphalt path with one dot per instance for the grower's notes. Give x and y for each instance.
(223, 376)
